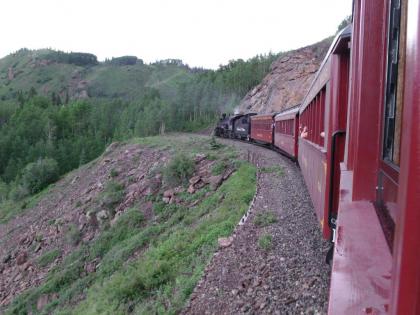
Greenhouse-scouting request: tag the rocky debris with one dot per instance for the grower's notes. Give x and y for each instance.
(73, 201)
(287, 82)
(291, 277)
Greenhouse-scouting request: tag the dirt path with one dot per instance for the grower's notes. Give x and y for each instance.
(289, 278)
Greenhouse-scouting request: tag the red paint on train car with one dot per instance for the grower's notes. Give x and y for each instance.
(262, 128)
(405, 297)
(313, 164)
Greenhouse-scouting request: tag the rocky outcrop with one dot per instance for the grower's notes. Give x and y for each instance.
(287, 82)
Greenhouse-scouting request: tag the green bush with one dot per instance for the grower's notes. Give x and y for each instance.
(39, 174)
(179, 170)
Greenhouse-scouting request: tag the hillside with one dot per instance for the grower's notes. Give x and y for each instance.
(288, 80)
(129, 232)
(47, 71)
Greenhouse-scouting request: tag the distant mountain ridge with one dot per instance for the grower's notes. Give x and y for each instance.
(288, 80)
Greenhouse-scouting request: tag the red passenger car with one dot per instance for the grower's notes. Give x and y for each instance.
(376, 265)
(286, 131)
(262, 128)
(321, 119)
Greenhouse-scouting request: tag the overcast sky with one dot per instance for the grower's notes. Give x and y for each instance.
(203, 33)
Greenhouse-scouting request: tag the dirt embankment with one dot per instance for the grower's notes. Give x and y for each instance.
(75, 211)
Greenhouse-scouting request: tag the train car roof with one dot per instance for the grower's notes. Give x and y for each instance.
(339, 44)
(263, 116)
(288, 113)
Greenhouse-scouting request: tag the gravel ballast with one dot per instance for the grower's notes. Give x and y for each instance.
(277, 268)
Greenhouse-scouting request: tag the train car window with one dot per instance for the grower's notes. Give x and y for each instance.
(285, 127)
(313, 119)
(394, 86)
(244, 121)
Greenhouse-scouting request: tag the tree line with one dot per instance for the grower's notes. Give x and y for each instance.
(44, 137)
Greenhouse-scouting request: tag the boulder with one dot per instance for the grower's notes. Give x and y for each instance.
(191, 189)
(169, 193)
(179, 190)
(199, 157)
(227, 174)
(225, 241)
(21, 258)
(166, 199)
(102, 215)
(215, 181)
(90, 267)
(194, 180)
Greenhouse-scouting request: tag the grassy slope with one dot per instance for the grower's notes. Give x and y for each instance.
(174, 249)
(104, 80)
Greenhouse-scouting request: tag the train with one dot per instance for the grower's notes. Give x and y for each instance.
(356, 138)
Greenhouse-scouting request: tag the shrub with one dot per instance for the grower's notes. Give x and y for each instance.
(112, 195)
(73, 235)
(18, 192)
(4, 191)
(219, 167)
(214, 145)
(265, 242)
(39, 174)
(114, 173)
(179, 170)
(265, 218)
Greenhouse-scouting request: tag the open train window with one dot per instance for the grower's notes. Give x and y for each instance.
(394, 86)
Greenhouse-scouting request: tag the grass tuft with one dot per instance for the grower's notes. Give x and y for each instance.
(265, 218)
(277, 170)
(265, 242)
(48, 258)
